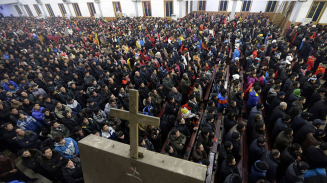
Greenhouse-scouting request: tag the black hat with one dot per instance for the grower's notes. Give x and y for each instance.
(318, 122)
(320, 132)
(260, 105)
(306, 115)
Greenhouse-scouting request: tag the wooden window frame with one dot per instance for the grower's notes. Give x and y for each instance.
(50, 10)
(144, 9)
(113, 5)
(274, 7)
(165, 7)
(37, 9)
(19, 11)
(79, 10)
(321, 12)
(29, 11)
(205, 6)
(226, 6)
(249, 7)
(62, 10)
(90, 8)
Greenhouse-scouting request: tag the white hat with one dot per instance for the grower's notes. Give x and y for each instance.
(236, 77)
(313, 26)
(274, 41)
(236, 58)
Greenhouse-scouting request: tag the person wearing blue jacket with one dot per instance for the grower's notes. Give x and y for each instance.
(236, 53)
(222, 99)
(28, 123)
(37, 113)
(5, 84)
(259, 171)
(66, 146)
(253, 99)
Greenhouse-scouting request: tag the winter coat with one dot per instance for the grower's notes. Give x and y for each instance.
(295, 109)
(101, 118)
(109, 135)
(276, 113)
(275, 102)
(226, 170)
(48, 164)
(63, 96)
(257, 173)
(148, 145)
(7, 164)
(171, 108)
(167, 85)
(32, 139)
(89, 128)
(298, 122)
(157, 99)
(293, 174)
(228, 124)
(301, 134)
(310, 140)
(29, 123)
(38, 115)
(272, 163)
(62, 130)
(183, 128)
(287, 157)
(222, 101)
(319, 110)
(75, 106)
(255, 151)
(315, 157)
(59, 112)
(177, 96)
(283, 141)
(198, 156)
(69, 149)
(253, 99)
(33, 162)
(177, 141)
(73, 175)
(185, 86)
(280, 125)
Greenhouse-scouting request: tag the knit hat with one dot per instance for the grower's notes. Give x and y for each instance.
(318, 122)
(320, 132)
(262, 165)
(297, 92)
(281, 93)
(167, 148)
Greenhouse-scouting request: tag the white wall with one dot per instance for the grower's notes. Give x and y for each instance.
(212, 5)
(9, 9)
(323, 19)
(304, 10)
(258, 6)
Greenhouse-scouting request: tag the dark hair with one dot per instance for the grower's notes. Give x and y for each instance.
(58, 138)
(230, 159)
(45, 110)
(288, 131)
(274, 152)
(174, 131)
(227, 144)
(65, 113)
(286, 117)
(21, 152)
(205, 131)
(301, 98)
(44, 149)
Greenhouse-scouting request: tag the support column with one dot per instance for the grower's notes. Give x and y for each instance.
(20, 5)
(180, 9)
(136, 9)
(232, 17)
(297, 11)
(70, 12)
(101, 16)
(44, 14)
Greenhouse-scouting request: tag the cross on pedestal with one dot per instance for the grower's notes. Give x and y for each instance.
(134, 119)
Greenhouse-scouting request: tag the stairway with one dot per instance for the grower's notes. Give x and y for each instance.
(283, 11)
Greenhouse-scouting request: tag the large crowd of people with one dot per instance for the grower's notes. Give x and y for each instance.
(61, 77)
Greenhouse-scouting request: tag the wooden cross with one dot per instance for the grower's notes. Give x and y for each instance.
(134, 119)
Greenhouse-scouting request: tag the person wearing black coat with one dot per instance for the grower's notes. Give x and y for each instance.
(278, 112)
(229, 122)
(316, 156)
(182, 127)
(307, 87)
(70, 120)
(224, 152)
(300, 120)
(294, 172)
(310, 127)
(235, 140)
(289, 156)
(290, 100)
(232, 108)
(280, 125)
(316, 97)
(228, 167)
(256, 149)
(171, 106)
(72, 171)
(238, 97)
(52, 162)
(277, 100)
(258, 131)
(81, 96)
(271, 158)
(319, 110)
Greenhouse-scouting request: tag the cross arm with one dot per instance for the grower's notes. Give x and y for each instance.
(140, 118)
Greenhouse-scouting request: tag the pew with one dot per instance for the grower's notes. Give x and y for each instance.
(162, 110)
(206, 97)
(190, 144)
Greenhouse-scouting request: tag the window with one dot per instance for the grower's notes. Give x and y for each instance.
(246, 6)
(223, 5)
(18, 9)
(117, 7)
(37, 9)
(62, 9)
(169, 9)
(91, 9)
(316, 10)
(147, 8)
(50, 10)
(271, 6)
(27, 8)
(77, 10)
(202, 5)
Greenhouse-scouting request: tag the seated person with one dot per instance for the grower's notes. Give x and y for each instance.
(66, 146)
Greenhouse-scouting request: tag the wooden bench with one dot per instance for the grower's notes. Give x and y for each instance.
(162, 110)
(190, 144)
(206, 97)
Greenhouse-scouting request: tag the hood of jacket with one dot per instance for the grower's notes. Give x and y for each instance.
(73, 105)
